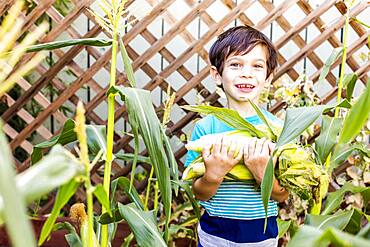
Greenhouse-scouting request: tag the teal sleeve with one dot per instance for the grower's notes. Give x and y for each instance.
(197, 133)
(274, 118)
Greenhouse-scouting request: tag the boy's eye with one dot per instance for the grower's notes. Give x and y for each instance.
(260, 66)
(237, 65)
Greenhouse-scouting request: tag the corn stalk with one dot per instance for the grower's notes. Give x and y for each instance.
(80, 129)
(113, 11)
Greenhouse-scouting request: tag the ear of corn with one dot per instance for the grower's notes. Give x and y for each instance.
(296, 168)
(197, 145)
(239, 172)
(197, 167)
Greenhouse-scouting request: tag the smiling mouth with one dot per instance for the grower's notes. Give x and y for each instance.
(245, 86)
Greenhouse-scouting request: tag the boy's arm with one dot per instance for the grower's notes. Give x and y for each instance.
(204, 188)
(279, 193)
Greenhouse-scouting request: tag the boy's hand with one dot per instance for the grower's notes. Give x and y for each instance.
(221, 159)
(256, 155)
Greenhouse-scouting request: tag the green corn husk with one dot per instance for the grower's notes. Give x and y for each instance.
(298, 172)
(296, 168)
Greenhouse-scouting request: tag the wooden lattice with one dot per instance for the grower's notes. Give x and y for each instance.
(158, 67)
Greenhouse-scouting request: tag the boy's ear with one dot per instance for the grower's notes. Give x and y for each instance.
(215, 75)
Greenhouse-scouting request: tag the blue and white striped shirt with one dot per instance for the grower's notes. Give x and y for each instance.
(233, 199)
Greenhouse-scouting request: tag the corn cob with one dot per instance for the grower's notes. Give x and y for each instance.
(197, 145)
(296, 169)
(197, 168)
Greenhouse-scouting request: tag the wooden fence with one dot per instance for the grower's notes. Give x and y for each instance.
(168, 48)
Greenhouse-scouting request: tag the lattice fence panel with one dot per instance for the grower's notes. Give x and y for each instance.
(168, 48)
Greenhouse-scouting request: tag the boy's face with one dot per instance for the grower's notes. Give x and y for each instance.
(243, 76)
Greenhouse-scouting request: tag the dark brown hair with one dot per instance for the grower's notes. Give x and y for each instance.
(239, 41)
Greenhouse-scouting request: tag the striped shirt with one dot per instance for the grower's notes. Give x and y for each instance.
(233, 199)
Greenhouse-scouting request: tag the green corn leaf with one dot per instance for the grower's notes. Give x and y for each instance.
(95, 139)
(143, 224)
(283, 226)
(174, 170)
(340, 238)
(334, 199)
(14, 212)
(356, 117)
(310, 236)
(339, 220)
(297, 120)
(107, 219)
(266, 186)
(341, 153)
(124, 183)
(325, 142)
(264, 120)
(65, 192)
(355, 224)
(54, 170)
(128, 240)
(186, 187)
(126, 61)
(337, 52)
(365, 231)
(72, 238)
(102, 197)
(140, 110)
(228, 116)
(130, 157)
(66, 136)
(349, 81)
(135, 129)
(306, 236)
(343, 104)
(71, 42)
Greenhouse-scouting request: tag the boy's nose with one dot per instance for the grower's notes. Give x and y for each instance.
(246, 71)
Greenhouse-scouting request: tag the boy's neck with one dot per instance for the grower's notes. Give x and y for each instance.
(243, 108)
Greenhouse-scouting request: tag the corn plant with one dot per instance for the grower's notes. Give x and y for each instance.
(143, 123)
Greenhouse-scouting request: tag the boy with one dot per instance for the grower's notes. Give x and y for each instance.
(242, 61)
